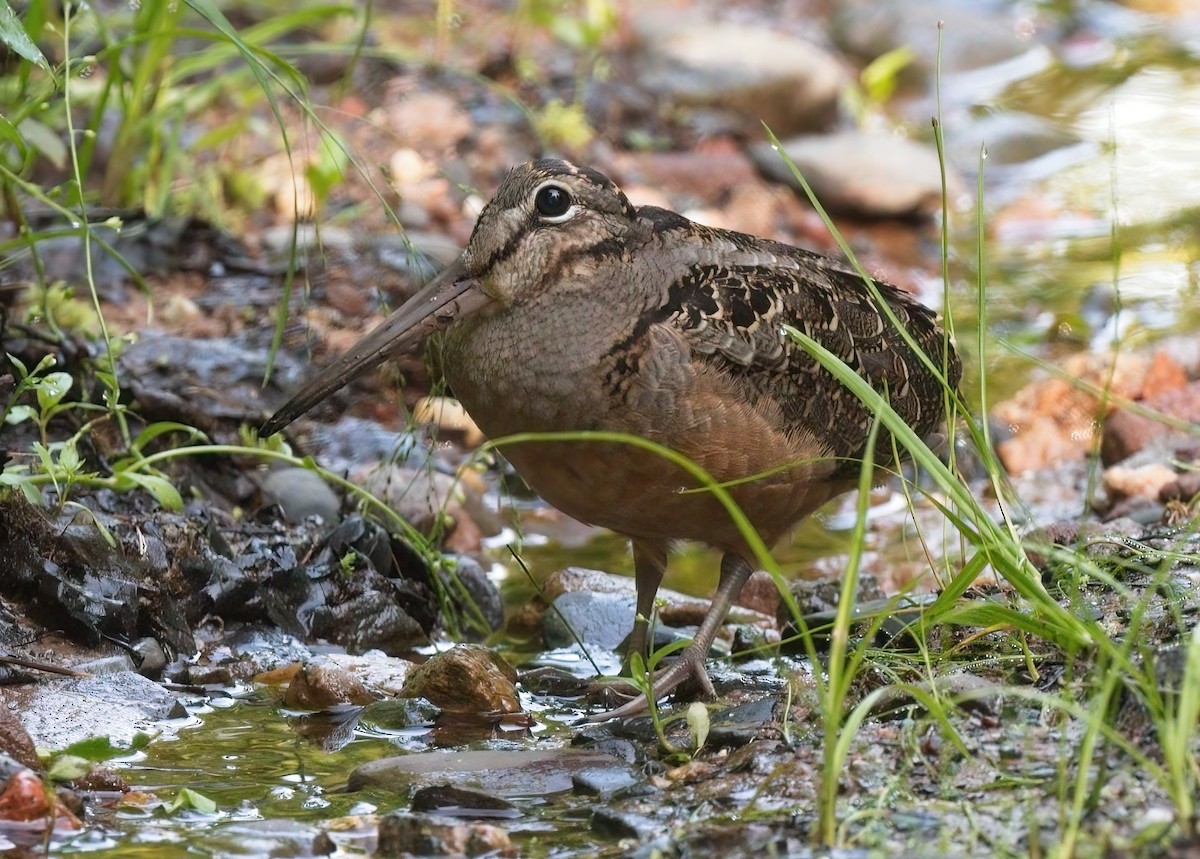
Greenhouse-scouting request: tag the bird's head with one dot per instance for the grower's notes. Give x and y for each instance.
(546, 215)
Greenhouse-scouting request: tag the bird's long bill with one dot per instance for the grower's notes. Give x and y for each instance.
(448, 296)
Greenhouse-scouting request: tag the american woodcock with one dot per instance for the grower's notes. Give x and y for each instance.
(572, 309)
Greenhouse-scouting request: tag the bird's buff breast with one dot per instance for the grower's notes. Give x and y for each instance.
(512, 382)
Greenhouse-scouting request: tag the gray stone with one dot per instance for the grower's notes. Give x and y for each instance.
(861, 174)
(603, 782)
(599, 619)
(756, 72)
(263, 838)
(532, 773)
(61, 712)
(974, 37)
(301, 493)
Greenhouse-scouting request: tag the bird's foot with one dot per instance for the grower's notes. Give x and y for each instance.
(689, 666)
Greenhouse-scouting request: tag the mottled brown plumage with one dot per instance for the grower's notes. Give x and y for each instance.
(573, 310)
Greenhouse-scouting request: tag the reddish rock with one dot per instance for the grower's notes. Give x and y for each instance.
(1146, 481)
(1125, 433)
(25, 798)
(319, 686)
(466, 679)
(760, 594)
(1055, 420)
(1185, 487)
(15, 740)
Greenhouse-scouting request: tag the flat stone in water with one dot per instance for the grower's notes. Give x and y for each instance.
(451, 801)
(620, 824)
(118, 706)
(266, 838)
(507, 774)
(603, 782)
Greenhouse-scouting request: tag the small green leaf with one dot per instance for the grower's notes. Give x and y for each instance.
(162, 490)
(22, 371)
(93, 749)
(158, 428)
(698, 724)
(68, 768)
(188, 798)
(51, 388)
(19, 414)
(69, 460)
(44, 139)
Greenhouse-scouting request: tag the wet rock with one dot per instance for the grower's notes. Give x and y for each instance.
(603, 782)
(379, 672)
(598, 619)
(107, 664)
(451, 801)
(210, 676)
(740, 725)
(365, 538)
(402, 834)
(15, 742)
(250, 651)
(856, 173)
(101, 779)
(431, 501)
(1126, 432)
(25, 798)
(399, 714)
(351, 441)
(263, 838)
(361, 612)
(300, 493)
(61, 712)
(203, 382)
(550, 680)
(477, 598)
(151, 658)
(676, 610)
(758, 73)
(823, 595)
(372, 620)
(528, 773)
(318, 686)
(466, 679)
(89, 582)
(615, 823)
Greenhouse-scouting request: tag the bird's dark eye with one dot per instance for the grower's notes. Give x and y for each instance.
(552, 201)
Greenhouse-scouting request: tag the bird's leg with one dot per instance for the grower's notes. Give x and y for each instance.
(649, 564)
(735, 570)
